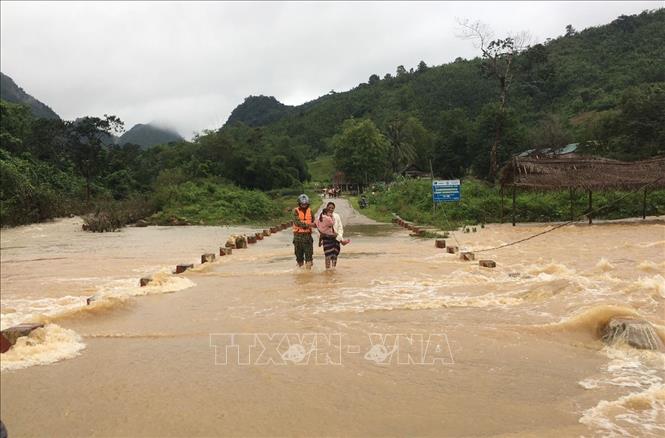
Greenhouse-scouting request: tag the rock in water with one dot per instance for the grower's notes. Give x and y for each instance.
(10, 335)
(637, 333)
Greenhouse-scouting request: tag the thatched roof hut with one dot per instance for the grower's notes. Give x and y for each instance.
(588, 173)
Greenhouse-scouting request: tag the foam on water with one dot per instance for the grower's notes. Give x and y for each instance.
(43, 346)
(656, 284)
(637, 413)
(649, 266)
(107, 296)
(54, 343)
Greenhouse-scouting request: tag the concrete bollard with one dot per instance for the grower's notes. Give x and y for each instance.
(452, 250)
(474, 229)
(467, 256)
(266, 233)
(251, 239)
(440, 243)
(487, 263)
(224, 251)
(259, 236)
(273, 230)
(144, 281)
(9, 336)
(207, 258)
(182, 268)
(241, 242)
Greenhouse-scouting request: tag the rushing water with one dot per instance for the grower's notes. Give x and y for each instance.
(402, 339)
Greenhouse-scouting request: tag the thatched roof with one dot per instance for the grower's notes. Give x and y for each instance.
(591, 173)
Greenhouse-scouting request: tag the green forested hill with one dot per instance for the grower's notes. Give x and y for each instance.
(148, 135)
(570, 84)
(258, 111)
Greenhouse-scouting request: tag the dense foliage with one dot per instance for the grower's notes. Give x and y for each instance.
(602, 86)
(53, 167)
(481, 203)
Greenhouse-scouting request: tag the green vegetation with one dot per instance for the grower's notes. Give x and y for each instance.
(602, 87)
(321, 169)
(50, 168)
(481, 203)
(209, 203)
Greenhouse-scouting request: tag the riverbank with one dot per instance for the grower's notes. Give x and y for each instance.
(482, 204)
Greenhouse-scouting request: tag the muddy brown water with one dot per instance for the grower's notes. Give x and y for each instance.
(401, 339)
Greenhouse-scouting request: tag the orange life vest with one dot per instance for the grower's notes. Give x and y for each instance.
(304, 216)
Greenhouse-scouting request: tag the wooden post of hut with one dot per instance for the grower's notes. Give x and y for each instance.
(590, 207)
(572, 212)
(501, 214)
(644, 204)
(513, 205)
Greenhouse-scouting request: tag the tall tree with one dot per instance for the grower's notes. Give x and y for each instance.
(409, 141)
(86, 142)
(498, 55)
(361, 151)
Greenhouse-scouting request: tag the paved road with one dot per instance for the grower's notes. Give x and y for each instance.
(349, 215)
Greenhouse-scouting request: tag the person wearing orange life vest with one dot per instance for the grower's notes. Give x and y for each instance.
(303, 222)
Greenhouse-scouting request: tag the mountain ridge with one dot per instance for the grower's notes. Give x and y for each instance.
(11, 92)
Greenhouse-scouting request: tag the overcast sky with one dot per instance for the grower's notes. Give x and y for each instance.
(189, 64)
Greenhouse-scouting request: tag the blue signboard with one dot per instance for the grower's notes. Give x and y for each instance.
(446, 190)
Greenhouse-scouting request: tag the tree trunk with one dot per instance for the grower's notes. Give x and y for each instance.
(494, 165)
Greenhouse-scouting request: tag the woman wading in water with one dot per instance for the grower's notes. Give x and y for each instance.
(331, 234)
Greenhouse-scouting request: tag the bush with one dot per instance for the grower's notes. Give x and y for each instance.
(34, 191)
(208, 202)
(481, 203)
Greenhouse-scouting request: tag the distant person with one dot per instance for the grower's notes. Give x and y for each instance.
(303, 222)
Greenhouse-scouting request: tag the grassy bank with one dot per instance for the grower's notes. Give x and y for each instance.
(208, 203)
(481, 203)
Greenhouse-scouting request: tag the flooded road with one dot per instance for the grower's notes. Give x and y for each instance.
(401, 339)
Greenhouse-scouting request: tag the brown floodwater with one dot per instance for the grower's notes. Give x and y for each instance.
(401, 339)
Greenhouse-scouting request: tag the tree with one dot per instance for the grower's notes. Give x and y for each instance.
(86, 138)
(451, 154)
(409, 141)
(552, 132)
(498, 56)
(570, 30)
(361, 151)
(422, 67)
(15, 123)
(374, 79)
(485, 125)
(401, 71)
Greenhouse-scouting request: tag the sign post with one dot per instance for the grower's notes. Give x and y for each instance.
(446, 191)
